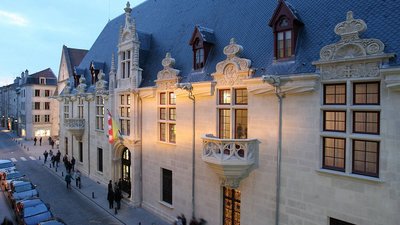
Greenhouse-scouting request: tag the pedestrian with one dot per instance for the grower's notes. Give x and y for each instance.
(183, 218)
(52, 144)
(194, 221)
(40, 141)
(57, 143)
(110, 185)
(110, 198)
(120, 184)
(58, 157)
(45, 155)
(78, 178)
(68, 180)
(34, 141)
(49, 140)
(53, 160)
(68, 166)
(51, 153)
(118, 197)
(73, 163)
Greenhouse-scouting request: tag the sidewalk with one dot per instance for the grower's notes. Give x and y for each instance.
(128, 214)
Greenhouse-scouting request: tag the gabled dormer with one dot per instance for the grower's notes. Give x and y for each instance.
(201, 42)
(285, 25)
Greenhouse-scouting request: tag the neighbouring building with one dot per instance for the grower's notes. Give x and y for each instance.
(8, 106)
(244, 112)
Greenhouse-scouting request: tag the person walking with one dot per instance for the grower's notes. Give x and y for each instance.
(46, 154)
(110, 198)
(53, 160)
(40, 141)
(78, 178)
(49, 140)
(51, 153)
(73, 163)
(34, 141)
(68, 180)
(118, 197)
(52, 144)
(110, 185)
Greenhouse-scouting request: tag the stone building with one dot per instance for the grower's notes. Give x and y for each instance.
(244, 112)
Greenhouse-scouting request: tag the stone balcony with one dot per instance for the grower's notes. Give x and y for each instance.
(231, 159)
(76, 126)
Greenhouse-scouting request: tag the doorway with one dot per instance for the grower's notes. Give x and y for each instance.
(126, 171)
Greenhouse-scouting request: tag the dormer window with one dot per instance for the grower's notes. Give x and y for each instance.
(201, 42)
(125, 64)
(42, 80)
(285, 25)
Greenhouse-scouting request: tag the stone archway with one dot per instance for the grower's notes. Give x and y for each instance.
(126, 171)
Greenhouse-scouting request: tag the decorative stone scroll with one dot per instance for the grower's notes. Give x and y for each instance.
(233, 70)
(101, 84)
(168, 77)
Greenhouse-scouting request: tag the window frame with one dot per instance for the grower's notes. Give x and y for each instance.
(334, 121)
(166, 106)
(324, 166)
(167, 179)
(100, 160)
(123, 110)
(366, 122)
(365, 173)
(366, 94)
(100, 113)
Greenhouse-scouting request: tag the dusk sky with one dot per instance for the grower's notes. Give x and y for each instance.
(34, 31)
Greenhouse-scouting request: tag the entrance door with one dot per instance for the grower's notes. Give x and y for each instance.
(231, 214)
(126, 171)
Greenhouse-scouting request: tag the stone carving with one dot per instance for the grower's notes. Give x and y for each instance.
(233, 70)
(82, 85)
(168, 77)
(349, 70)
(350, 45)
(67, 89)
(101, 84)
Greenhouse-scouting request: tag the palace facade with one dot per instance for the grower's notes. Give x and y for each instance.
(244, 112)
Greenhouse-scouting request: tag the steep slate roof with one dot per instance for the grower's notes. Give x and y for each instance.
(47, 73)
(167, 25)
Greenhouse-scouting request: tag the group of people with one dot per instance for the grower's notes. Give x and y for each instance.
(68, 179)
(181, 220)
(51, 141)
(114, 194)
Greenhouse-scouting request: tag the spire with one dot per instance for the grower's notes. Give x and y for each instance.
(112, 63)
(128, 11)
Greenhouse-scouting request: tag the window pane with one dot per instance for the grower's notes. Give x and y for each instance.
(335, 146)
(128, 99)
(241, 124)
(163, 113)
(167, 186)
(366, 157)
(224, 97)
(163, 99)
(122, 111)
(172, 133)
(240, 96)
(367, 93)
(224, 123)
(334, 121)
(288, 43)
(172, 114)
(335, 94)
(163, 133)
(172, 98)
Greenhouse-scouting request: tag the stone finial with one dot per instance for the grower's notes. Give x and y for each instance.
(82, 85)
(233, 49)
(128, 8)
(168, 62)
(351, 27)
(101, 75)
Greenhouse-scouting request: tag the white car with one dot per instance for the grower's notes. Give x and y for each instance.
(6, 166)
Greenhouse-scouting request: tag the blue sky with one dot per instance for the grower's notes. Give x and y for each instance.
(32, 32)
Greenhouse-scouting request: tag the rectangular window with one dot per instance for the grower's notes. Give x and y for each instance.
(333, 221)
(335, 121)
(37, 105)
(172, 98)
(80, 151)
(163, 113)
(128, 99)
(163, 133)
(99, 113)
(241, 123)
(167, 117)
(366, 93)
(100, 159)
(335, 94)
(172, 133)
(224, 97)
(240, 96)
(284, 44)
(224, 123)
(47, 118)
(231, 204)
(42, 80)
(334, 153)
(163, 98)
(47, 105)
(37, 93)
(366, 122)
(37, 118)
(126, 64)
(122, 101)
(124, 112)
(172, 114)
(80, 108)
(66, 109)
(366, 157)
(46, 93)
(166, 181)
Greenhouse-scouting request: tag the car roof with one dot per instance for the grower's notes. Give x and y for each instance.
(31, 202)
(35, 210)
(33, 220)
(4, 161)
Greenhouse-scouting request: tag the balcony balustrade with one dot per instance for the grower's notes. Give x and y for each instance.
(76, 126)
(231, 159)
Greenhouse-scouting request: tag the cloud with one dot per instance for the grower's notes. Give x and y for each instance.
(13, 18)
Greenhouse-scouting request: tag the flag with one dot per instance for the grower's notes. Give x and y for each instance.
(112, 129)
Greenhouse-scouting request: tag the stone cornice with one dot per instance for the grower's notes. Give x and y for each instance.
(392, 78)
(149, 92)
(199, 89)
(290, 85)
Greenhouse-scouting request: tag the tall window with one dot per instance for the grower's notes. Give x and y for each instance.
(198, 51)
(47, 118)
(80, 151)
(47, 105)
(46, 93)
(100, 159)
(232, 115)
(66, 109)
(167, 117)
(166, 182)
(99, 113)
(124, 114)
(284, 44)
(341, 145)
(231, 204)
(80, 108)
(126, 63)
(37, 105)
(42, 80)
(37, 93)
(66, 145)
(37, 118)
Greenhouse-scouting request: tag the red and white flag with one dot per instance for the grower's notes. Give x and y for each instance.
(112, 129)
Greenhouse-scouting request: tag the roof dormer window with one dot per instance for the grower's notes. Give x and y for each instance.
(201, 42)
(285, 25)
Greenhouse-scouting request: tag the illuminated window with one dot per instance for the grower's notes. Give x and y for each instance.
(66, 109)
(340, 145)
(232, 115)
(80, 108)
(124, 112)
(231, 204)
(126, 64)
(99, 112)
(167, 117)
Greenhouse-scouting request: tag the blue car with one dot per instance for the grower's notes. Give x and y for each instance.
(14, 175)
(34, 214)
(55, 221)
(21, 190)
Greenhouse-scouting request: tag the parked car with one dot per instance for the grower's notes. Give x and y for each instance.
(5, 167)
(11, 176)
(21, 190)
(33, 212)
(55, 221)
(22, 204)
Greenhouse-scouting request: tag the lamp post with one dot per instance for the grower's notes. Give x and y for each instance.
(275, 81)
(189, 88)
